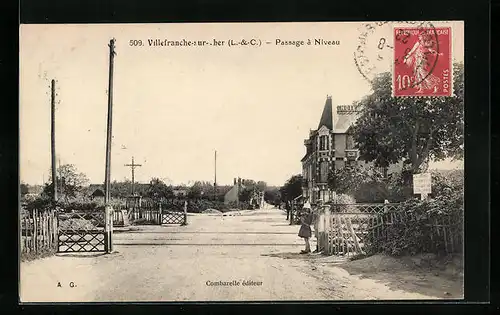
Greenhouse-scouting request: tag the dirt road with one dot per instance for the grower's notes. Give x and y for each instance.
(253, 255)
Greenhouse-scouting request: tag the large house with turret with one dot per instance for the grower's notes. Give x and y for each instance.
(331, 146)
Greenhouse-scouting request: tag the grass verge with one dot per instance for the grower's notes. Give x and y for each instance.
(30, 256)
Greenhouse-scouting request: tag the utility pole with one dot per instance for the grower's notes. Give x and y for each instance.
(110, 121)
(133, 166)
(53, 138)
(215, 179)
(238, 192)
(61, 179)
(108, 211)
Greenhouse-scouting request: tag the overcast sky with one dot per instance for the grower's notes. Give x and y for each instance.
(174, 106)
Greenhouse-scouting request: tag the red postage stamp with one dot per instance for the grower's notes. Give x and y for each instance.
(422, 62)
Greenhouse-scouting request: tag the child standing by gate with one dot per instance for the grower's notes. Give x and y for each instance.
(305, 227)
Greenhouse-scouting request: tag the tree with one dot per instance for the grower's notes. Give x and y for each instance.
(195, 191)
(24, 189)
(158, 189)
(261, 186)
(250, 188)
(414, 130)
(292, 188)
(248, 182)
(70, 182)
(120, 189)
(245, 194)
(349, 180)
(272, 195)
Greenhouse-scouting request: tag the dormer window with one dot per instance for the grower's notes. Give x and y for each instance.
(323, 143)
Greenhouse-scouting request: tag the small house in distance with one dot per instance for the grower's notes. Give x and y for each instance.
(97, 195)
(233, 194)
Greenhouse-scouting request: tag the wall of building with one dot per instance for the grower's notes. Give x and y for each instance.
(340, 145)
(349, 142)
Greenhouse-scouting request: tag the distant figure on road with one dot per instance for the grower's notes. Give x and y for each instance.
(305, 232)
(287, 207)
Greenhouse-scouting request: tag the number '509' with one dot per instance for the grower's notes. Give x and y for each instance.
(135, 42)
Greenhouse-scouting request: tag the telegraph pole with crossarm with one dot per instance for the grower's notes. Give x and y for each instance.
(133, 166)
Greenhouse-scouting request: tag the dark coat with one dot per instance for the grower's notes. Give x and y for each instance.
(305, 228)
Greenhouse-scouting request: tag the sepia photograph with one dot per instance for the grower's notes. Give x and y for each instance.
(222, 162)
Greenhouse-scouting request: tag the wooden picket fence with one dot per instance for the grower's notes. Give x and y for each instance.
(444, 233)
(349, 229)
(38, 231)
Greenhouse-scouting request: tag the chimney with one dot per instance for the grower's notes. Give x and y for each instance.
(234, 181)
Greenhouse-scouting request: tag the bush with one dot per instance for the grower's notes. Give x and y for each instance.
(46, 203)
(372, 192)
(40, 203)
(399, 186)
(366, 184)
(343, 203)
(199, 205)
(414, 227)
(347, 180)
(450, 183)
(79, 205)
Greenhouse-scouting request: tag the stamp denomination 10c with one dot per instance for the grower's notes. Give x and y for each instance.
(422, 62)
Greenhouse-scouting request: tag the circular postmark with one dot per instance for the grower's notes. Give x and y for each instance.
(382, 46)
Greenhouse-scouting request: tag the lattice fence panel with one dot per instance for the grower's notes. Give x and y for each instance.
(82, 232)
(82, 241)
(172, 218)
(375, 208)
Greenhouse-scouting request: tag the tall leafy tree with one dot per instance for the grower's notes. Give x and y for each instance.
(261, 186)
(415, 130)
(70, 182)
(292, 188)
(272, 195)
(158, 189)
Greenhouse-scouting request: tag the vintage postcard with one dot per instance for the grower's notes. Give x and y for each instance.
(241, 161)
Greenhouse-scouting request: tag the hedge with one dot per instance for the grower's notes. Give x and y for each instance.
(423, 226)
